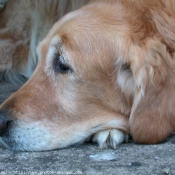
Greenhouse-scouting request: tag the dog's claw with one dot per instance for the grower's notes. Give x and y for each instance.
(101, 138)
(117, 137)
(110, 138)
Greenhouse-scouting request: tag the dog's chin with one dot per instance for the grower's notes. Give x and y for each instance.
(17, 145)
(35, 137)
(30, 138)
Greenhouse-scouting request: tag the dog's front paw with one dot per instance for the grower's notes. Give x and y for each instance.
(110, 138)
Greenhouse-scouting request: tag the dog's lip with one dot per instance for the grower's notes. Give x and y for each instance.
(3, 143)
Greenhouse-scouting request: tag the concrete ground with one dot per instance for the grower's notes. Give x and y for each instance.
(88, 159)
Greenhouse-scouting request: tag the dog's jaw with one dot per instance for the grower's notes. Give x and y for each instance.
(33, 137)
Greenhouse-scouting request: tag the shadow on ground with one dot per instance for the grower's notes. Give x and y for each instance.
(88, 159)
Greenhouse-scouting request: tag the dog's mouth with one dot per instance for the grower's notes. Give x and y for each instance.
(33, 137)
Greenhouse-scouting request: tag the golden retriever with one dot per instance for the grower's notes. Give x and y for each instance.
(106, 70)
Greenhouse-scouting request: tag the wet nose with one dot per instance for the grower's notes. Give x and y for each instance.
(3, 123)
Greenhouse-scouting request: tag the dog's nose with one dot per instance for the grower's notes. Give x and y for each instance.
(3, 123)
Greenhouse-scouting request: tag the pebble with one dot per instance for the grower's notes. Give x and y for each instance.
(166, 171)
(104, 156)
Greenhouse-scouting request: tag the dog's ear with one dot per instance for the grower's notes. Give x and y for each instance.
(152, 83)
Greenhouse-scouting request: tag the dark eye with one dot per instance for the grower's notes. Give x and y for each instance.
(60, 66)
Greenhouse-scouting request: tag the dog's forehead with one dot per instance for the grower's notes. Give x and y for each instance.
(63, 22)
(85, 35)
(65, 31)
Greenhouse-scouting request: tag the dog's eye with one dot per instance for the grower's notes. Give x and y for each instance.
(60, 66)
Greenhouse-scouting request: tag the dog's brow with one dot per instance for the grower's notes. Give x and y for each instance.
(55, 46)
(55, 41)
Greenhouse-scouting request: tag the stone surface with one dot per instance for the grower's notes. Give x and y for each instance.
(88, 159)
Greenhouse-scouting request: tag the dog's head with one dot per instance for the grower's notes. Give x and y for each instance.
(97, 65)
(72, 93)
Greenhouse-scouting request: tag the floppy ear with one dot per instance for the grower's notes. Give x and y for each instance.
(152, 116)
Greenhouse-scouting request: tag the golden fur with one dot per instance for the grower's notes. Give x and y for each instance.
(105, 70)
(23, 24)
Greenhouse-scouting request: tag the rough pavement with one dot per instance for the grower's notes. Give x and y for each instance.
(88, 159)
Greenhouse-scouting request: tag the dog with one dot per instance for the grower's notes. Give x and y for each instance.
(23, 25)
(106, 71)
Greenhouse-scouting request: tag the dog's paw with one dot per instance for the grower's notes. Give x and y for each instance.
(110, 138)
